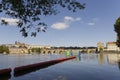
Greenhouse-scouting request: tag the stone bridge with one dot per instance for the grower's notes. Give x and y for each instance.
(51, 51)
(62, 51)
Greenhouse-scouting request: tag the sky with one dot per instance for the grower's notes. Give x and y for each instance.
(84, 28)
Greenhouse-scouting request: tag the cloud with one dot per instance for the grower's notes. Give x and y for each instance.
(60, 26)
(71, 19)
(91, 24)
(78, 19)
(10, 21)
(68, 18)
(66, 23)
(93, 21)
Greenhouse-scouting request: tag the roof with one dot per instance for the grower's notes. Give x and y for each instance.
(111, 42)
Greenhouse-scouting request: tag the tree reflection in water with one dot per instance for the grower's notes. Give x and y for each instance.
(119, 64)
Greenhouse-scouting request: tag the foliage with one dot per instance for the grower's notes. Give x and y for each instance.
(29, 11)
(84, 51)
(117, 30)
(73, 47)
(36, 50)
(4, 49)
(101, 49)
(119, 64)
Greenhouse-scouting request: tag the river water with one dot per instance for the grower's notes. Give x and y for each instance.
(84, 67)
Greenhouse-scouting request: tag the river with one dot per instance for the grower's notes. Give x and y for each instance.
(84, 67)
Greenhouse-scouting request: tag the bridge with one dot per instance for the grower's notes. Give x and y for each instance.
(62, 51)
(50, 51)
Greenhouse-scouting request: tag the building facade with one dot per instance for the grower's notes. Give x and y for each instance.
(100, 46)
(111, 46)
(38, 46)
(19, 47)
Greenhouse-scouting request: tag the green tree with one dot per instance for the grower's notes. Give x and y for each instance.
(29, 11)
(101, 49)
(0, 49)
(36, 50)
(4, 49)
(117, 30)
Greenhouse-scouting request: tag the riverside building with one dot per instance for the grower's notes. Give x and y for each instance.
(112, 46)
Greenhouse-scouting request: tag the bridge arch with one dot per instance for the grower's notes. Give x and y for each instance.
(49, 52)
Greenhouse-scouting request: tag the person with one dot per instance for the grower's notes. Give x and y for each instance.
(71, 53)
(67, 53)
(79, 53)
(79, 56)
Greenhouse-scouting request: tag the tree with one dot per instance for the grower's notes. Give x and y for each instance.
(117, 30)
(36, 50)
(4, 49)
(29, 11)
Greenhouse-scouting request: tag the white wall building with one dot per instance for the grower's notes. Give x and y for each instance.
(111, 46)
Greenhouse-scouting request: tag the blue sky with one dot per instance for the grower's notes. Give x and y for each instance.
(83, 28)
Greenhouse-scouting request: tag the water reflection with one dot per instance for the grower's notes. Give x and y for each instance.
(113, 58)
(85, 65)
(89, 57)
(101, 58)
(79, 58)
(119, 64)
(17, 74)
(6, 77)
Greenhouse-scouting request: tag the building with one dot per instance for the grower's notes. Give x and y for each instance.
(15, 50)
(39, 46)
(19, 47)
(111, 46)
(100, 46)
